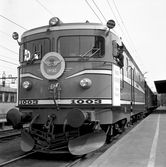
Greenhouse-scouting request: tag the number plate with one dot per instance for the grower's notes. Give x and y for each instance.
(28, 102)
(86, 101)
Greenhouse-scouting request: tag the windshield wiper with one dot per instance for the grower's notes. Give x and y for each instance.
(97, 49)
(82, 57)
(85, 57)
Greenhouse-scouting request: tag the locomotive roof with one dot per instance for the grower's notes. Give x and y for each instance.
(66, 26)
(73, 26)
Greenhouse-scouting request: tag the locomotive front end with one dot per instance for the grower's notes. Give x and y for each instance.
(63, 88)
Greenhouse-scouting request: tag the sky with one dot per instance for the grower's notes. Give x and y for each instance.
(140, 23)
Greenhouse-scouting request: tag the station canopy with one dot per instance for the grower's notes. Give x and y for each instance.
(160, 86)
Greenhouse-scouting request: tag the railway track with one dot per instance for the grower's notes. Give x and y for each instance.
(64, 164)
(63, 160)
(16, 159)
(7, 134)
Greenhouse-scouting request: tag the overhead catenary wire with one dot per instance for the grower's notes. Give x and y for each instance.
(9, 58)
(8, 62)
(129, 43)
(122, 22)
(103, 15)
(5, 33)
(9, 50)
(45, 8)
(118, 23)
(13, 22)
(113, 13)
(127, 32)
(8, 67)
(99, 11)
(94, 11)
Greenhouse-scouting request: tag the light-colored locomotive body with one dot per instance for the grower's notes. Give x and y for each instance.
(77, 82)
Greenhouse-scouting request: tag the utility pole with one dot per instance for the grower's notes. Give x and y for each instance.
(4, 78)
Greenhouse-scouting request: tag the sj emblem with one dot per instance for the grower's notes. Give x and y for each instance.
(52, 65)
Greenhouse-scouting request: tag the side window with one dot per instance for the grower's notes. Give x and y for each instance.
(1, 97)
(35, 49)
(135, 75)
(76, 46)
(117, 52)
(127, 67)
(130, 72)
(114, 48)
(122, 78)
(99, 47)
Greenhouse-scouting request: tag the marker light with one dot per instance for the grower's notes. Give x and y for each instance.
(27, 85)
(15, 35)
(111, 24)
(85, 83)
(54, 21)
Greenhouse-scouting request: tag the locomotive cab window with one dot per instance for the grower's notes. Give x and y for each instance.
(34, 50)
(74, 46)
(117, 52)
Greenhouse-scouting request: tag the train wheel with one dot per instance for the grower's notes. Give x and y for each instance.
(109, 132)
(128, 124)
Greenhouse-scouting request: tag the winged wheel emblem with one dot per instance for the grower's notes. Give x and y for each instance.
(52, 63)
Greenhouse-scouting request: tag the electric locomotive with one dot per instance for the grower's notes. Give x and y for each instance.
(77, 86)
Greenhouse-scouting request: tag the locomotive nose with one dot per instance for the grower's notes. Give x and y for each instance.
(17, 119)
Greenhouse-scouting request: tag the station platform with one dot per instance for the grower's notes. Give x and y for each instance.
(143, 146)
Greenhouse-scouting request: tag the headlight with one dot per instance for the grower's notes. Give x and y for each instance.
(53, 21)
(27, 85)
(85, 83)
(15, 35)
